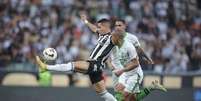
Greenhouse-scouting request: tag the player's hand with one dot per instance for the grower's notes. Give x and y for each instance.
(119, 87)
(150, 62)
(83, 17)
(118, 72)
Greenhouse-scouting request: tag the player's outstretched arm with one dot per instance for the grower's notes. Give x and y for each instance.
(91, 26)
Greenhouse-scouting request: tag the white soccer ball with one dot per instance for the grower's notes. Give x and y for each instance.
(49, 54)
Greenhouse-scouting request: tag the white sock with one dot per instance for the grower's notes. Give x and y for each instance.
(107, 96)
(61, 67)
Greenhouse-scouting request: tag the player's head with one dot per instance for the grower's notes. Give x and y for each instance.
(118, 37)
(120, 24)
(104, 26)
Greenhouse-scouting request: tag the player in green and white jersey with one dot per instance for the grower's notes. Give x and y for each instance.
(128, 74)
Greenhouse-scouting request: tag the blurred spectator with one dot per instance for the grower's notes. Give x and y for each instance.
(169, 31)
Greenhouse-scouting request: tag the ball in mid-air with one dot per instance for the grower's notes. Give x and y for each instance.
(49, 54)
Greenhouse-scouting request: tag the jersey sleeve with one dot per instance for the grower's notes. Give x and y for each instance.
(132, 53)
(134, 40)
(115, 61)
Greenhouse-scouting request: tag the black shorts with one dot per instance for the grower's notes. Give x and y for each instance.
(95, 71)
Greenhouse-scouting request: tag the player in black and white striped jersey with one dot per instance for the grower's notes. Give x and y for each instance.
(102, 49)
(93, 66)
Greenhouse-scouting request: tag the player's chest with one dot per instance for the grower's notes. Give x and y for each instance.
(103, 40)
(122, 53)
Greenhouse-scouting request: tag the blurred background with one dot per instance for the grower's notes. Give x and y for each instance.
(169, 31)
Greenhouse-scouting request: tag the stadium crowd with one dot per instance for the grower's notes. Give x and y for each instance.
(168, 30)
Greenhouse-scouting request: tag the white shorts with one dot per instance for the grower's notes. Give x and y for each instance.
(131, 82)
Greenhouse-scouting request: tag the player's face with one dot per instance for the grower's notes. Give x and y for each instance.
(120, 25)
(103, 27)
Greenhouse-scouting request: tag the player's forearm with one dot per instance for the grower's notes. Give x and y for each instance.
(116, 65)
(91, 26)
(142, 54)
(131, 65)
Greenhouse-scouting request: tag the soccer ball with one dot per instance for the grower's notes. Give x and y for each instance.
(49, 54)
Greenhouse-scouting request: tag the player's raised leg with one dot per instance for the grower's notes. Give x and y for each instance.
(95, 74)
(78, 66)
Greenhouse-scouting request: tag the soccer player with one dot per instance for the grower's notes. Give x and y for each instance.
(93, 67)
(120, 24)
(126, 65)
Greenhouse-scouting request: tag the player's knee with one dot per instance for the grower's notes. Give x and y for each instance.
(81, 66)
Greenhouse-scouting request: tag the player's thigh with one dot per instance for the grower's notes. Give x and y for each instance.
(99, 86)
(81, 66)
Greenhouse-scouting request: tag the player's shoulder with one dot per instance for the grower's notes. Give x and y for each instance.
(128, 44)
(130, 35)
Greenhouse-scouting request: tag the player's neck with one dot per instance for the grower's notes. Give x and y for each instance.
(120, 43)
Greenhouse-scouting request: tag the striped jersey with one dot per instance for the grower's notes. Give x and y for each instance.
(103, 48)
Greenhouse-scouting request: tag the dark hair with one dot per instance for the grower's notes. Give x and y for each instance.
(121, 20)
(104, 20)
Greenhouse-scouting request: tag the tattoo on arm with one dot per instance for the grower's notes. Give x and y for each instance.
(142, 54)
(131, 65)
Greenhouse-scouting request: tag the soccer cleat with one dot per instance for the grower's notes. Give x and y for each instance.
(157, 86)
(42, 66)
